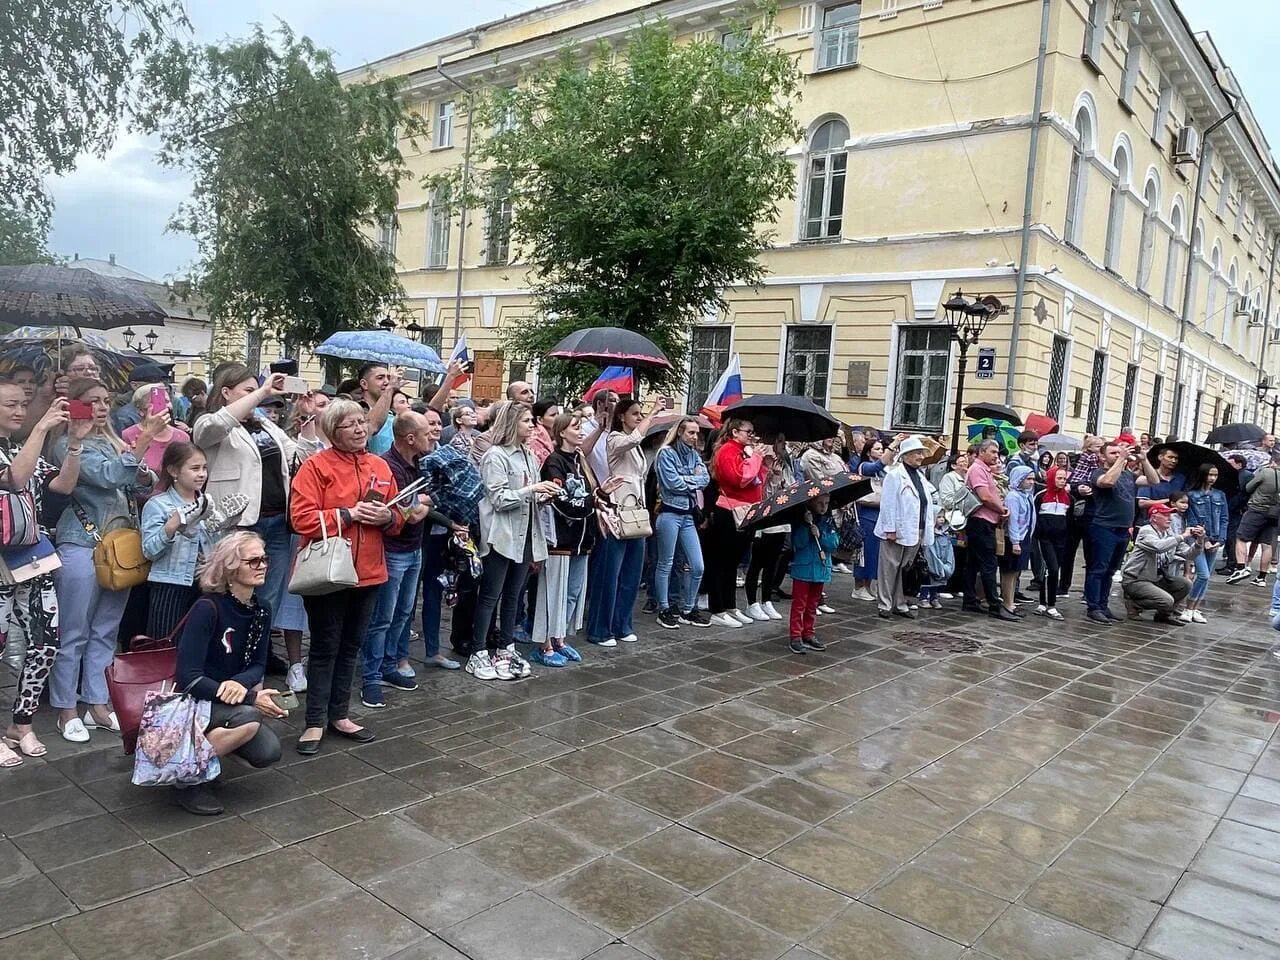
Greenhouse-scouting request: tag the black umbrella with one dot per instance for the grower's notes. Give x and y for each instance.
(662, 425)
(1190, 457)
(789, 504)
(1233, 434)
(49, 295)
(993, 411)
(41, 354)
(611, 345)
(797, 418)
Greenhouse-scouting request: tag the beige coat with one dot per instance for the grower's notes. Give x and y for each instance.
(235, 465)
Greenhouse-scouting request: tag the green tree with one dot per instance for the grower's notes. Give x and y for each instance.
(293, 174)
(23, 238)
(68, 69)
(644, 182)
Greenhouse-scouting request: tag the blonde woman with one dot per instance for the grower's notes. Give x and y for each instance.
(111, 475)
(222, 656)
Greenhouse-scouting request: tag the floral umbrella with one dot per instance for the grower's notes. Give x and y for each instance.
(789, 504)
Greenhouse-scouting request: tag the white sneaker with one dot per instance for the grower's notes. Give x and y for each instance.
(741, 617)
(842, 568)
(1053, 614)
(757, 613)
(629, 638)
(73, 730)
(1042, 610)
(606, 642)
(937, 603)
(946, 596)
(519, 665)
(724, 620)
(481, 667)
(297, 678)
(826, 608)
(862, 593)
(770, 611)
(1186, 617)
(1198, 617)
(503, 666)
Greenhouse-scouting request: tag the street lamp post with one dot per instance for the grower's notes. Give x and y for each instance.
(966, 319)
(1273, 402)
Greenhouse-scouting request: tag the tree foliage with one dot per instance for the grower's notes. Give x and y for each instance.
(293, 172)
(67, 69)
(644, 182)
(23, 238)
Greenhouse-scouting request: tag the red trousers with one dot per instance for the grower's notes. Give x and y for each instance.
(805, 598)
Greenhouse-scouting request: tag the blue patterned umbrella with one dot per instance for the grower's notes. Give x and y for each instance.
(378, 346)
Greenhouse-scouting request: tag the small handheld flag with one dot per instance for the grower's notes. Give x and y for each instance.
(727, 391)
(621, 380)
(460, 354)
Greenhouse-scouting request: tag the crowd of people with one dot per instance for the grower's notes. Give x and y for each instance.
(535, 524)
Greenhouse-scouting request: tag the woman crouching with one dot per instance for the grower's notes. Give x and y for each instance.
(222, 655)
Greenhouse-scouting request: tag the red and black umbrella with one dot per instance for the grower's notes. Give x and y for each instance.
(611, 345)
(789, 504)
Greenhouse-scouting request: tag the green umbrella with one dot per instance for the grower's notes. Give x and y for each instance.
(1006, 433)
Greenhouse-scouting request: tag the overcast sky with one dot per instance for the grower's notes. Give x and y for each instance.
(121, 204)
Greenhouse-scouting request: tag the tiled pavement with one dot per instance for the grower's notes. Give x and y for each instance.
(1064, 793)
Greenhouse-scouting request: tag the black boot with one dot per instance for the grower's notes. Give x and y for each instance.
(197, 799)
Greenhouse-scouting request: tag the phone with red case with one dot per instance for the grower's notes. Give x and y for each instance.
(79, 410)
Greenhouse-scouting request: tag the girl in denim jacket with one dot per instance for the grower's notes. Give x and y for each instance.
(1208, 509)
(172, 539)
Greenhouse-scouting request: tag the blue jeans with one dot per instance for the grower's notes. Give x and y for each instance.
(388, 629)
(432, 566)
(274, 532)
(1205, 560)
(619, 565)
(1108, 545)
(673, 528)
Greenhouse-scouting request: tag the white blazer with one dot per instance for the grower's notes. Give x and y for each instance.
(900, 508)
(235, 464)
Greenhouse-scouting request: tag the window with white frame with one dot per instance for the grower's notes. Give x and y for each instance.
(1173, 256)
(1211, 291)
(1223, 194)
(838, 35)
(497, 247)
(1147, 242)
(1130, 396)
(1161, 118)
(444, 124)
(826, 165)
(1115, 211)
(1057, 376)
(1229, 310)
(708, 358)
(807, 362)
(1235, 230)
(438, 217)
(1097, 387)
(920, 397)
(1193, 266)
(387, 234)
(1078, 178)
(1132, 63)
(1095, 30)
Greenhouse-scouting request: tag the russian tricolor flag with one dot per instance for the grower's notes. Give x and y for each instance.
(727, 391)
(620, 380)
(461, 354)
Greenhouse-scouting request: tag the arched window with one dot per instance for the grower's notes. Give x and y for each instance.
(1173, 259)
(1197, 254)
(1211, 322)
(1229, 311)
(1146, 245)
(1115, 210)
(824, 181)
(1078, 179)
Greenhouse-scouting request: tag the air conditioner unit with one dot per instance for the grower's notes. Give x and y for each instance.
(1243, 307)
(1186, 148)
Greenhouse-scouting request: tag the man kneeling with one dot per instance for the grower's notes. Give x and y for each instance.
(222, 655)
(1153, 574)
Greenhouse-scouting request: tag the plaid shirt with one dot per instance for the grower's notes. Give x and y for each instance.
(1083, 471)
(454, 484)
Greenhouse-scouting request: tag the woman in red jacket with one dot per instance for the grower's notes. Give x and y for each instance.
(739, 472)
(350, 487)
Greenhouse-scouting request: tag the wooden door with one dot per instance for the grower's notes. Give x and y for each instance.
(486, 382)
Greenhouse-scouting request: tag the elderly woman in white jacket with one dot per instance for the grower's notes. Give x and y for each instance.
(908, 511)
(511, 539)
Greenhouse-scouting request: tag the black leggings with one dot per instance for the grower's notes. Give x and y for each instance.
(724, 548)
(264, 749)
(766, 551)
(1053, 549)
(501, 585)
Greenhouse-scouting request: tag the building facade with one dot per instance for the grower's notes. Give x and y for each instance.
(912, 183)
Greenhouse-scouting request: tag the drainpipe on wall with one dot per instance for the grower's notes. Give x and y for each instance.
(1266, 313)
(1028, 198)
(466, 183)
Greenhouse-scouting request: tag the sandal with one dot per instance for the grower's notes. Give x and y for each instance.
(28, 744)
(8, 758)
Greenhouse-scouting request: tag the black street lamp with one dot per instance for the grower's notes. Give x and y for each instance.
(387, 324)
(134, 343)
(1263, 389)
(967, 319)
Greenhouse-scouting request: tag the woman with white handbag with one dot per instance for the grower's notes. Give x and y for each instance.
(30, 604)
(339, 508)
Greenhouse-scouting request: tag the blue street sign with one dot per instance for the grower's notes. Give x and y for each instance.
(986, 363)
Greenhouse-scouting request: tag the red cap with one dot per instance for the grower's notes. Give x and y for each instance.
(1128, 438)
(1159, 508)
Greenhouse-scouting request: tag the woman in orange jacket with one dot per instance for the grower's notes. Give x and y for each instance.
(349, 487)
(739, 471)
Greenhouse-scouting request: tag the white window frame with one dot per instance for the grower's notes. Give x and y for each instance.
(1095, 31)
(1161, 119)
(1172, 255)
(1211, 292)
(389, 234)
(1116, 209)
(784, 360)
(1224, 194)
(498, 215)
(438, 217)
(1078, 177)
(443, 127)
(927, 377)
(1147, 239)
(835, 155)
(841, 38)
(1132, 65)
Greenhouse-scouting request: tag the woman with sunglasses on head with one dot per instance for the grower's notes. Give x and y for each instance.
(739, 471)
(222, 656)
(111, 475)
(1208, 509)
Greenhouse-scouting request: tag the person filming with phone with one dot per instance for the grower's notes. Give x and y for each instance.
(151, 400)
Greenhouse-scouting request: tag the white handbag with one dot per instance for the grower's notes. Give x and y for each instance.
(324, 565)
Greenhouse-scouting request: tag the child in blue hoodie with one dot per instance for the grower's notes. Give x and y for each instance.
(1022, 525)
(813, 541)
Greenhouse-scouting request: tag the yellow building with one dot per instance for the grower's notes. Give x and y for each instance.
(912, 183)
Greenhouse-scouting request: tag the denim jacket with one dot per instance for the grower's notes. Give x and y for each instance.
(681, 474)
(1208, 509)
(107, 480)
(173, 558)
